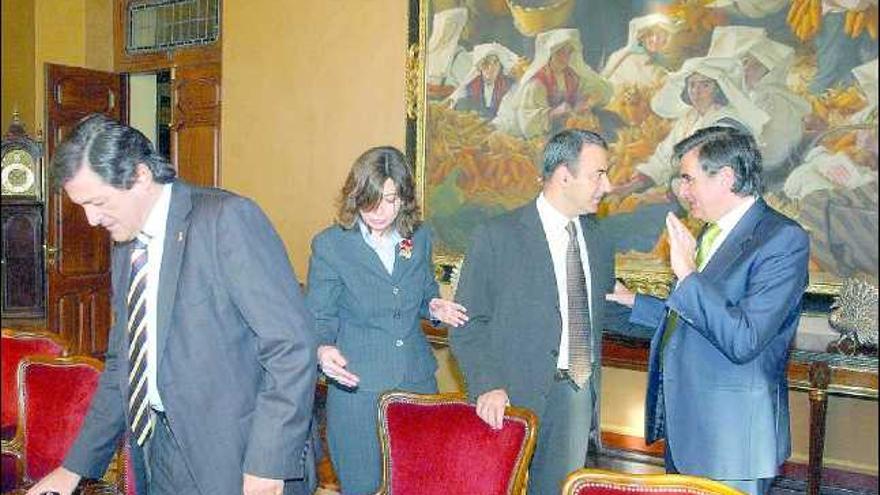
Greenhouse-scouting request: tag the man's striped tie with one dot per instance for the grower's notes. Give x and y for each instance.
(579, 348)
(138, 405)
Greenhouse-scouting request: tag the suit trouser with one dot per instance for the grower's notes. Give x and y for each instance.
(168, 474)
(353, 438)
(563, 436)
(758, 486)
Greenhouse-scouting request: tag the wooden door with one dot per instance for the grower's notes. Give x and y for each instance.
(195, 126)
(78, 255)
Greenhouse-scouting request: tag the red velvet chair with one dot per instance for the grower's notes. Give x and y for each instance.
(599, 482)
(437, 445)
(53, 400)
(15, 345)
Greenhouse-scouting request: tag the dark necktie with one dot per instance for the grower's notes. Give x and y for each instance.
(578, 311)
(707, 240)
(138, 407)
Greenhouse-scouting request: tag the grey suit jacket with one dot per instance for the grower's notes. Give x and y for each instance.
(236, 349)
(507, 283)
(373, 317)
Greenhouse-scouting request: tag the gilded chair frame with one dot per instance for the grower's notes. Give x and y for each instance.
(645, 483)
(517, 483)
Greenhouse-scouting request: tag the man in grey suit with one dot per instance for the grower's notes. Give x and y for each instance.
(534, 281)
(210, 369)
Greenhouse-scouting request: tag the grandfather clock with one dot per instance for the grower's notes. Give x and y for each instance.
(23, 273)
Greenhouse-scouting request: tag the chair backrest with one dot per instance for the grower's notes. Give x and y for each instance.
(599, 482)
(436, 444)
(15, 345)
(52, 403)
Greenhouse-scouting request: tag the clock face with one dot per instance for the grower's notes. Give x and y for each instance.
(18, 174)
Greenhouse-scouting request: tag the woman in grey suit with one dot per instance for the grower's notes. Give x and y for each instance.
(370, 283)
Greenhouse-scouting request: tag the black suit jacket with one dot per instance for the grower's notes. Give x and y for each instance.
(508, 285)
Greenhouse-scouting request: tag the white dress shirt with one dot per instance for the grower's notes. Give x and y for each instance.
(155, 229)
(554, 224)
(385, 246)
(726, 224)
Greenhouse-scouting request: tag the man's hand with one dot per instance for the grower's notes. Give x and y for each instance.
(449, 312)
(60, 480)
(682, 247)
(254, 485)
(490, 407)
(621, 295)
(333, 365)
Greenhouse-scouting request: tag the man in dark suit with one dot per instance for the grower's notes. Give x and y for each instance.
(534, 281)
(210, 369)
(717, 388)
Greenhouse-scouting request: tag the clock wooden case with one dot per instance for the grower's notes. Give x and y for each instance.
(22, 281)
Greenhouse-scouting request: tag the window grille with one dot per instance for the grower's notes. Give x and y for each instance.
(157, 25)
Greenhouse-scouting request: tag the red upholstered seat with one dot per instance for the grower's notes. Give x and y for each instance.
(437, 445)
(53, 401)
(16, 345)
(599, 482)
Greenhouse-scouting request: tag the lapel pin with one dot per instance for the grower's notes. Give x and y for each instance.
(180, 237)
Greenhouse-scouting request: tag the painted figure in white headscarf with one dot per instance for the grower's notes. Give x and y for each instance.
(706, 91)
(642, 62)
(557, 85)
(825, 169)
(488, 81)
(766, 64)
(836, 191)
(448, 62)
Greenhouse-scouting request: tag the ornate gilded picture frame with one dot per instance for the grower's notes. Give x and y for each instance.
(482, 99)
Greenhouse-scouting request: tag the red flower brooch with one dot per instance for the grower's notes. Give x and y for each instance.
(406, 247)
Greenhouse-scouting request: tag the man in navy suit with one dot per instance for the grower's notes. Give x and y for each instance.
(717, 388)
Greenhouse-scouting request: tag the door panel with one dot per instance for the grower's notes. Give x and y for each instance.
(195, 128)
(78, 261)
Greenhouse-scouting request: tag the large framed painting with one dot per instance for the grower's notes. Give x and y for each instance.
(490, 80)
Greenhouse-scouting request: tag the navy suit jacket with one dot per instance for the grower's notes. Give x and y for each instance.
(371, 316)
(236, 349)
(724, 367)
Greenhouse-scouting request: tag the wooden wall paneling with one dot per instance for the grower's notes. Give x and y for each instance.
(149, 62)
(195, 127)
(22, 274)
(78, 255)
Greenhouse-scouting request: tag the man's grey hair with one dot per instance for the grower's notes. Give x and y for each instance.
(720, 147)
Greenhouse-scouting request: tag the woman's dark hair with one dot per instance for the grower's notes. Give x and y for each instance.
(365, 183)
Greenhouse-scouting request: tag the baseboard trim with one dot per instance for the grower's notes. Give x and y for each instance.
(619, 441)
